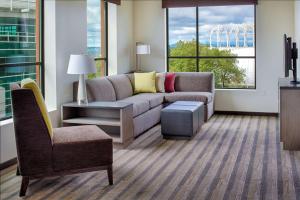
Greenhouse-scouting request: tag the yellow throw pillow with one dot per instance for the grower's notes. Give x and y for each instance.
(31, 84)
(144, 82)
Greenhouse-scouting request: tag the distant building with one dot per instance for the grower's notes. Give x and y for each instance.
(17, 45)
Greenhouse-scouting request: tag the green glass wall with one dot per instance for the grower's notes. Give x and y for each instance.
(18, 43)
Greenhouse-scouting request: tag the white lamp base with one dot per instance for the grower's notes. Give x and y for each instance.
(81, 94)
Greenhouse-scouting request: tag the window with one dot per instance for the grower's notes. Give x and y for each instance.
(20, 47)
(97, 35)
(219, 39)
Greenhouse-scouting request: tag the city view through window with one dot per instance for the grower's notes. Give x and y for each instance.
(19, 47)
(96, 38)
(219, 39)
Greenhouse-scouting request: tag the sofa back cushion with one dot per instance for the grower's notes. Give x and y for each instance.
(193, 81)
(98, 89)
(130, 76)
(101, 89)
(122, 86)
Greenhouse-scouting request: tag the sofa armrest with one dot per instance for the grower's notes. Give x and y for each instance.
(195, 81)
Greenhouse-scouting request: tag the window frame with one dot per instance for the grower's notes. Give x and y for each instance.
(105, 58)
(40, 51)
(198, 57)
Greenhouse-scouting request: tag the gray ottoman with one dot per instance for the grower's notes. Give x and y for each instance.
(194, 103)
(182, 119)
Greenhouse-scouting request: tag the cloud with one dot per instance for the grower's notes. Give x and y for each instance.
(184, 30)
(182, 12)
(93, 11)
(182, 21)
(93, 23)
(183, 33)
(93, 3)
(226, 14)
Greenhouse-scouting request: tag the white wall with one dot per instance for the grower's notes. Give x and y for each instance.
(120, 38)
(297, 21)
(50, 54)
(274, 18)
(7, 141)
(125, 37)
(71, 38)
(112, 39)
(65, 34)
(149, 27)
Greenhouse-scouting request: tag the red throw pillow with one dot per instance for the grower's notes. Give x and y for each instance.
(170, 82)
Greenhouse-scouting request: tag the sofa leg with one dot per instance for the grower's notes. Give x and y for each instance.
(18, 171)
(24, 185)
(110, 175)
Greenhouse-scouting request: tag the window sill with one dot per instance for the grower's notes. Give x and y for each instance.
(237, 89)
(9, 121)
(6, 122)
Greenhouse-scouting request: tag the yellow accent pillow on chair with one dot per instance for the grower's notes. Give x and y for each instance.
(144, 82)
(31, 84)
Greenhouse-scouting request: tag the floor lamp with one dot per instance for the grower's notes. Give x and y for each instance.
(141, 49)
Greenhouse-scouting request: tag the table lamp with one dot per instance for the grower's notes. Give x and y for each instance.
(141, 49)
(81, 64)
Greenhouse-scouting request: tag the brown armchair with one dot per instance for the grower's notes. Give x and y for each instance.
(68, 150)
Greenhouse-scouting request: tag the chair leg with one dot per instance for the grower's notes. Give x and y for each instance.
(18, 171)
(110, 175)
(24, 185)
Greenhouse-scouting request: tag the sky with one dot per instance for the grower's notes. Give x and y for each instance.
(182, 21)
(93, 23)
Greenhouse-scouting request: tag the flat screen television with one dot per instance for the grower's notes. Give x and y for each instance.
(290, 58)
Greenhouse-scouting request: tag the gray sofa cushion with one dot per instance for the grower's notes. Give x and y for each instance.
(204, 97)
(122, 86)
(154, 99)
(191, 81)
(101, 89)
(146, 120)
(140, 105)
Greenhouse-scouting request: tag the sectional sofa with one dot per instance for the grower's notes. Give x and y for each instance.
(189, 86)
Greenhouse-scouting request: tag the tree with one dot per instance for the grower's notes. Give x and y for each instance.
(226, 70)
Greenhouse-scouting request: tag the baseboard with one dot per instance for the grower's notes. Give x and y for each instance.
(246, 113)
(8, 163)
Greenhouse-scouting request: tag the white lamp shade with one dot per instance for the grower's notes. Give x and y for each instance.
(142, 49)
(81, 64)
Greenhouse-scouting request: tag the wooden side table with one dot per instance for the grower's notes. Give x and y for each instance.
(115, 118)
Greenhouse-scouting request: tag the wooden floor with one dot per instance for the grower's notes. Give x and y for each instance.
(232, 157)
